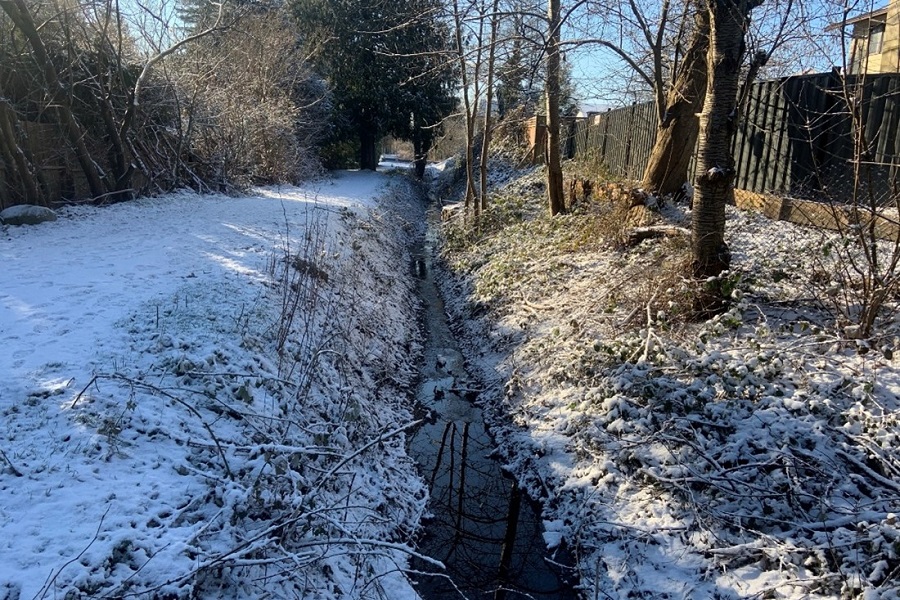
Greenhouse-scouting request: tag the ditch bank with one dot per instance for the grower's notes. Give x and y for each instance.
(482, 527)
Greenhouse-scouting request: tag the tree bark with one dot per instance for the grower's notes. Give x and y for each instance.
(469, 103)
(489, 92)
(420, 156)
(676, 134)
(718, 123)
(119, 153)
(555, 195)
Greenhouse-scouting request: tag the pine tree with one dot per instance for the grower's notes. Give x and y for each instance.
(385, 66)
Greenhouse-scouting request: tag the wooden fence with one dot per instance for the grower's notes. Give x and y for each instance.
(621, 139)
(795, 137)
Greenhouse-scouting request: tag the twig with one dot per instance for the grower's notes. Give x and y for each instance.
(636, 235)
(174, 398)
(871, 473)
(84, 389)
(247, 375)
(534, 306)
(12, 467)
(630, 316)
(381, 438)
(649, 341)
(42, 593)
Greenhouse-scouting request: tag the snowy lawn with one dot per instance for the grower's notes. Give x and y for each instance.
(754, 455)
(205, 396)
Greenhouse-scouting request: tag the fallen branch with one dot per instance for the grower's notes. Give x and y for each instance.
(636, 235)
(172, 397)
(48, 584)
(83, 390)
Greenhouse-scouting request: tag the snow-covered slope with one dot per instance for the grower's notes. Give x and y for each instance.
(204, 396)
(753, 455)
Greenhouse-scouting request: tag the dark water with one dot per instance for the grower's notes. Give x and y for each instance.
(483, 528)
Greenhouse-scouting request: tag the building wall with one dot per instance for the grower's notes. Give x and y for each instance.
(886, 61)
(890, 55)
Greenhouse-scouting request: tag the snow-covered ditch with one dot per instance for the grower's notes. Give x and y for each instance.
(206, 396)
(754, 455)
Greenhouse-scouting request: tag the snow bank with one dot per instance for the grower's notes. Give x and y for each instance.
(204, 396)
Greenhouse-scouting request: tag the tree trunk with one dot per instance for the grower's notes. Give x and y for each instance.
(119, 153)
(718, 122)
(554, 166)
(367, 159)
(469, 103)
(18, 166)
(489, 91)
(17, 11)
(676, 134)
(421, 155)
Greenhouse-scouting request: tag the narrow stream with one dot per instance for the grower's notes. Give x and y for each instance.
(483, 529)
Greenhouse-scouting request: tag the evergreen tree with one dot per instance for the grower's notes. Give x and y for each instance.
(568, 101)
(510, 77)
(386, 67)
(519, 85)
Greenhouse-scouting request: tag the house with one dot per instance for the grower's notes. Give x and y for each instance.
(874, 40)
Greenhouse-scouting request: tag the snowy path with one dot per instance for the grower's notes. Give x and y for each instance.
(124, 488)
(67, 285)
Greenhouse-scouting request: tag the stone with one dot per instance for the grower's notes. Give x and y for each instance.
(26, 214)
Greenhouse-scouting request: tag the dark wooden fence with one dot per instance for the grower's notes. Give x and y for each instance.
(621, 139)
(795, 137)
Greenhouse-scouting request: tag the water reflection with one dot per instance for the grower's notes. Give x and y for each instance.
(489, 539)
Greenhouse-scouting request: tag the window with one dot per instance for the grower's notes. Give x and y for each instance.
(876, 38)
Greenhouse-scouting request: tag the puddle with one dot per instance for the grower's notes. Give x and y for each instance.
(483, 528)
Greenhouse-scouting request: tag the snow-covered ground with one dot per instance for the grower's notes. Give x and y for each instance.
(206, 396)
(754, 455)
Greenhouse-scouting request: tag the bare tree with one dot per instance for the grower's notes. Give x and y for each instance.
(58, 98)
(254, 109)
(470, 60)
(488, 108)
(718, 122)
(91, 76)
(678, 127)
(650, 38)
(554, 166)
(664, 43)
(14, 155)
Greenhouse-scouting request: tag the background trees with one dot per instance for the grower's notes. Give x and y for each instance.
(254, 109)
(102, 103)
(240, 93)
(386, 65)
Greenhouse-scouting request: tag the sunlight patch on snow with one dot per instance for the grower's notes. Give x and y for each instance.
(232, 264)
